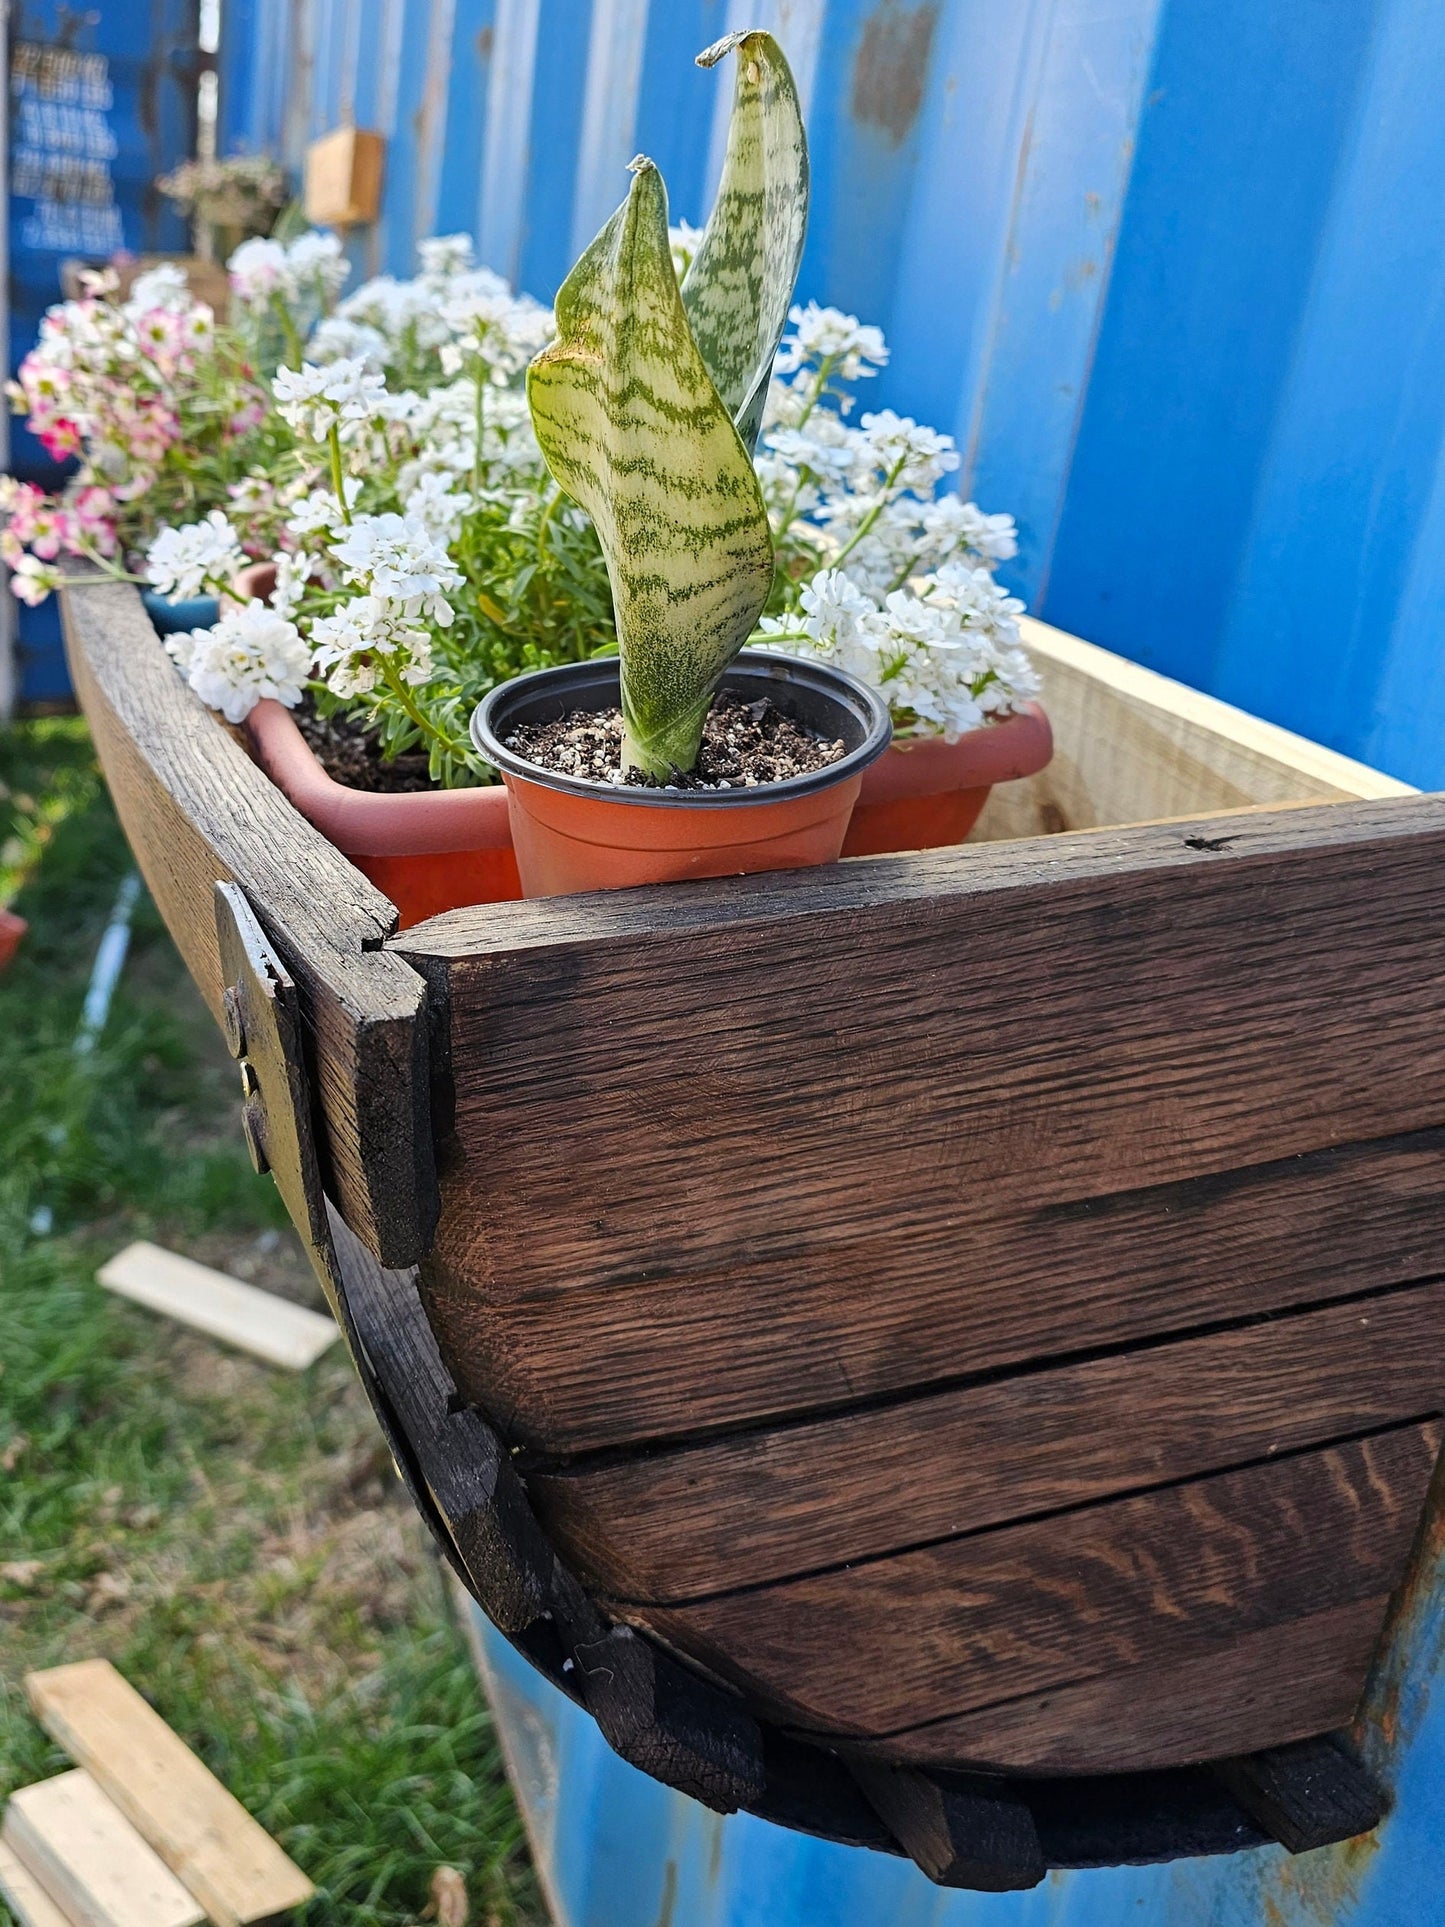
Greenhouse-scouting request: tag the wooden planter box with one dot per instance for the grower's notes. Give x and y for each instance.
(977, 1310)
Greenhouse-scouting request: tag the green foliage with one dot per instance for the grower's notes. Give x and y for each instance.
(536, 595)
(231, 1536)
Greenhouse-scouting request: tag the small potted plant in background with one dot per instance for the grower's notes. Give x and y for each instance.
(227, 201)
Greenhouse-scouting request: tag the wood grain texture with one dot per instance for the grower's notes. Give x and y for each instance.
(917, 1117)
(201, 1831)
(198, 811)
(461, 1468)
(91, 1860)
(1132, 1720)
(1149, 1582)
(1132, 746)
(666, 1526)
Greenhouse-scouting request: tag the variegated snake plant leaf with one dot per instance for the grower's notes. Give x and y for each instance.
(739, 286)
(634, 430)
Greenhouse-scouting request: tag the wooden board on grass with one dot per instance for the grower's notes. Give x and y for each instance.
(204, 1835)
(91, 1860)
(24, 1895)
(219, 1305)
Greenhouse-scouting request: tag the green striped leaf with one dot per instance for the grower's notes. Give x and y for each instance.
(739, 286)
(633, 429)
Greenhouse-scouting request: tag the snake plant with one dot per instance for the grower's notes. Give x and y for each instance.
(648, 403)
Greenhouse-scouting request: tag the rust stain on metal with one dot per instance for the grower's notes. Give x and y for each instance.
(665, 1917)
(892, 66)
(486, 36)
(1321, 1889)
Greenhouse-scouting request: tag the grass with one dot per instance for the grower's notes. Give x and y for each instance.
(231, 1536)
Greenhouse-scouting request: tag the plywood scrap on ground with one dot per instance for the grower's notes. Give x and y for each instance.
(221, 1306)
(227, 1860)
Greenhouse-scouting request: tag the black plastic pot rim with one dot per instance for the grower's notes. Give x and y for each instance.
(596, 686)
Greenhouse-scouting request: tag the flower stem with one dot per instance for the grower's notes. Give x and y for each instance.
(294, 349)
(871, 517)
(479, 466)
(338, 480)
(403, 695)
(825, 368)
(552, 500)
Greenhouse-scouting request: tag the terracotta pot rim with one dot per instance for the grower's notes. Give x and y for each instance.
(584, 685)
(368, 822)
(999, 750)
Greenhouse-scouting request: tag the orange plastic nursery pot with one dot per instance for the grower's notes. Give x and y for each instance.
(12, 929)
(926, 792)
(432, 851)
(572, 835)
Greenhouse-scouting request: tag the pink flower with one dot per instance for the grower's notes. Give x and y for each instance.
(33, 580)
(20, 501)
(50, 531)
(59, 437)
(162, 338)
(250, 415)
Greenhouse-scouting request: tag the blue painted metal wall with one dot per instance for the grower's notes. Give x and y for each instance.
(102, 100)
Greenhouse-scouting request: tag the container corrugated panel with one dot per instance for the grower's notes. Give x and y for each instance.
(102, 101)
(1168, 270)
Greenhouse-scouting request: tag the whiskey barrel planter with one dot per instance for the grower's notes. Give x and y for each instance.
(941, 1351)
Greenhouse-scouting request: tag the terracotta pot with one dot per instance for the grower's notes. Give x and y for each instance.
(572, 835)
(433, 851)
(12, 929)
(926, 792)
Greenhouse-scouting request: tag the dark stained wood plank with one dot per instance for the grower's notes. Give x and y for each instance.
(1307, 1795)
(667, 1526)
(839, 1321)
(766, 1103)
(197, 811)
(1147, 1582)
(458, 1466)
(1226, 1698)
(960, 1832)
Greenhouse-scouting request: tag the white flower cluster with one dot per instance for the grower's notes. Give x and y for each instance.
(900, 587)
(200, 558)
(308, 272)
(342, 396)
(946, 657)
(251, 652)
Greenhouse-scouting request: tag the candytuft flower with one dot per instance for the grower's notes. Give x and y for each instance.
(252, 652)
(185, 561)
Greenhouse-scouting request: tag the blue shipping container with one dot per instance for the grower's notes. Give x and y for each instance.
(101, 102)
